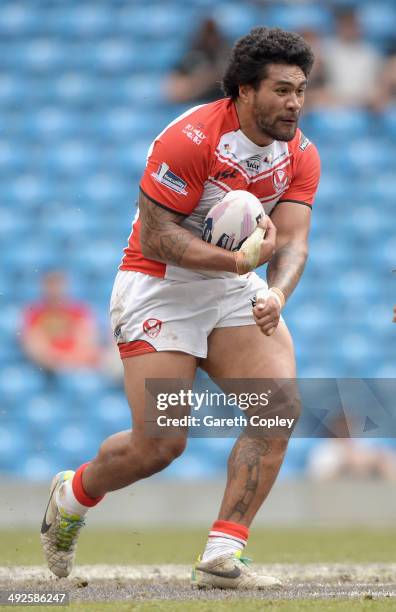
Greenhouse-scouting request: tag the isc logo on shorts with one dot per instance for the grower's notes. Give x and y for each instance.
(152, 327)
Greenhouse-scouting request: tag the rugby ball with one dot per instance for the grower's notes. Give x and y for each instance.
(232, 220)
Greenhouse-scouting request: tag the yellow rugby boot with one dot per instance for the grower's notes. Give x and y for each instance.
(230, 572)
(59, 531)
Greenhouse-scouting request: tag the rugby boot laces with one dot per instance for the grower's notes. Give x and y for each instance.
(59, 531)
(230, 572)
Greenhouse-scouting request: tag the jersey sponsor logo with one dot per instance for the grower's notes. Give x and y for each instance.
(280, 180)
(165, 176)
(194, 133)
(152, 327)
(304, 142)
(253, 164)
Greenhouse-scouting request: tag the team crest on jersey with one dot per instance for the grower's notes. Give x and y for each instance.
(152, 327)
(280, 179)
(165, 176)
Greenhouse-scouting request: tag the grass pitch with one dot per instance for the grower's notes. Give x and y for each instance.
(137, 547)
(307, 590)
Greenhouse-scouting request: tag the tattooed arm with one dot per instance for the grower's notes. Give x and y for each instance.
(162, 239)
(287, 264)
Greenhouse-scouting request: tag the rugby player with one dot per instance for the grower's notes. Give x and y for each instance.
(179, 303)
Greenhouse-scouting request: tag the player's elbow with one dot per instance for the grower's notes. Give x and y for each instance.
(300, 248)
(147, 247)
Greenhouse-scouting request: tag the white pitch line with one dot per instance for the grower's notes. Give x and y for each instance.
(384, 573)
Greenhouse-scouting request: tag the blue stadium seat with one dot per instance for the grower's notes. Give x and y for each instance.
(235, 19)
(96, 256)
(384, 370)
(142, 89)
(338, 125)
(365, 221)
(72, 440)
(130, 123)
(38, 466)
(75, 87)
(378, 21)
(83, 20)
(324, 251)
(17, 19)
(77, 156)
(45, 412)
(167, 21)
(51, 122)
(13, 444)
(20, 381)
(12, 88)
(113, 410)
(35, 256)
(297, 455)
(298, 18)
(26, 190)
(360, 156)
(39, 55)
(192, 467)
(104, 188)
(10, 322)
(13, 228)
(70, 223)
(115, 55)
(81, 383)
(389, 121)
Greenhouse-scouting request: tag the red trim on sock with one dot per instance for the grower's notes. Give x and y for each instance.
(232, 529)
(78, 489)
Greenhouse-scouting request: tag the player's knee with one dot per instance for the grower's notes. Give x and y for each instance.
(171, 450)
(288, 409)
(158, 454)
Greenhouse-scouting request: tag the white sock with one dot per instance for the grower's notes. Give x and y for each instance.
(220, 543)
(66, 499)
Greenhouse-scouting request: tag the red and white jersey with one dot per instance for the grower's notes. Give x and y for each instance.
(201, 156)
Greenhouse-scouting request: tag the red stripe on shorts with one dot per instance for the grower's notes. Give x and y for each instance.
(135, 347)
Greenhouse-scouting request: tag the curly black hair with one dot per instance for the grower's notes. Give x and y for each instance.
(262, 46)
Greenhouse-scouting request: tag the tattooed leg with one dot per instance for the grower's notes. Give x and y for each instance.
(253, 466)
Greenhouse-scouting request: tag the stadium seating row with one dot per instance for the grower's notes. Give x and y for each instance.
(168, 21)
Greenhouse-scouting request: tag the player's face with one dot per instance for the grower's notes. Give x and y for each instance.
(276, 105)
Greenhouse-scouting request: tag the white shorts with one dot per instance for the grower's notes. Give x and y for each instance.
(151, 314)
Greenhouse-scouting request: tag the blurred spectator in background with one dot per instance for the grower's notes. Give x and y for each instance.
(197, 76)
(353, 65)
(318, 93)
(59, 334)
(388, 81)
(344, 456)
